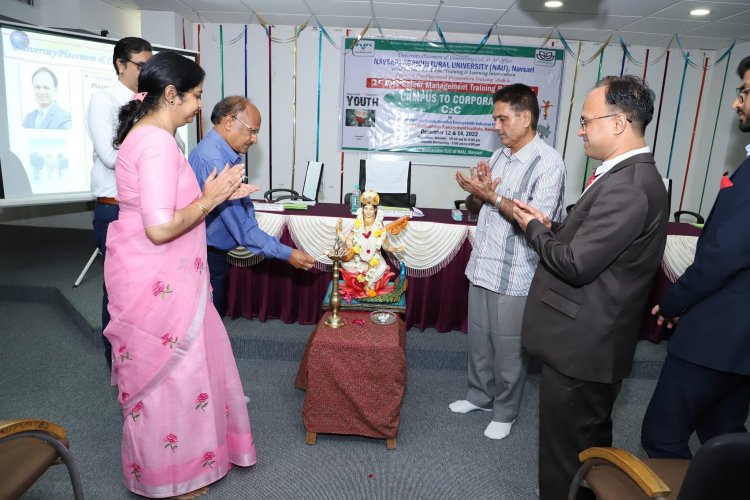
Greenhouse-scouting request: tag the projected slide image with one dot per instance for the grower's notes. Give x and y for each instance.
(46, 89)
(49, 169)
(49, 78)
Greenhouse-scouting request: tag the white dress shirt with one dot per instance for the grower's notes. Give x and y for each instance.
(101, 125)
(607, 165)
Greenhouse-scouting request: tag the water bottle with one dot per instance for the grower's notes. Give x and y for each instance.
(354, 201)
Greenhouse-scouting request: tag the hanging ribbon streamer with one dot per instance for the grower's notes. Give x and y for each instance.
(480, 44)
(200, 112)
(572, 96)
(374, 18)
(622, 63)
(246, 65)
(294, 109)
(626, 52)
(341, 179)
(320, 26)
(442, 37)
(270, 108)
(666, 51)
(661, 101)
(598, 77)
(320, 77)
(234, 39)
(598, 53)
(434, 20)
(361, 34)
(645, 65)
(677, 115)
(183, 33)
(484, 40)
(566, 46)
(221, 58)
(267, 28)
(686, 55)
(695, 126)
(713, 136)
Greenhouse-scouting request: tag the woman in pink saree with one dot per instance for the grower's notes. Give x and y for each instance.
(185, 416)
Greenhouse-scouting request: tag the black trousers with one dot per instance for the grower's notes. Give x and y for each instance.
(690, 397)
(104, 214)
(218, 268)
(573, 415)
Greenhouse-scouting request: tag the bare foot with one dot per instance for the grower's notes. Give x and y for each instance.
(193, 494)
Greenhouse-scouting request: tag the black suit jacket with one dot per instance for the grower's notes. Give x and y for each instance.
(586, 300)
(712, 297)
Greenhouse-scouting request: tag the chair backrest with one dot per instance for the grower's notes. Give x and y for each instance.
(668, 186)
(720, 469)
(313, 179)
(391, 179)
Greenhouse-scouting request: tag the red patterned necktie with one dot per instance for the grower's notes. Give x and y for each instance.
(591, 179)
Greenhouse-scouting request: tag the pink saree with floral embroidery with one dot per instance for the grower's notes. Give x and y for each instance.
(185, 417)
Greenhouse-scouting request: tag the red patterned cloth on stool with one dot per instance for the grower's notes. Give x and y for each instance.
(355, 377)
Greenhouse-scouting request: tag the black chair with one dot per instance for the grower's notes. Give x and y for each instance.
(379, 175)
(27, 449)
(412, 200)
(698, 217)
(720, 469)
(310, 188)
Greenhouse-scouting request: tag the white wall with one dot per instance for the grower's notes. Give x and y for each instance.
(432, 175)
(288, 137)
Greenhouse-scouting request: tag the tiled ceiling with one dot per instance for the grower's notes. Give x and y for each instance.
(651, 22)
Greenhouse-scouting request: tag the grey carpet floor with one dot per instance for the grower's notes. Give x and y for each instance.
(52, 367)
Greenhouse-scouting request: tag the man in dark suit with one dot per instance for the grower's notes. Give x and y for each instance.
(48, 114)
(586, 300)
(704, 384)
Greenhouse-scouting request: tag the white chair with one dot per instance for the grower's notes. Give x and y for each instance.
(391, 180)
(310, 188)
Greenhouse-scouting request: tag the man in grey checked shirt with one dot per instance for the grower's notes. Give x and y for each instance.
(502, 264)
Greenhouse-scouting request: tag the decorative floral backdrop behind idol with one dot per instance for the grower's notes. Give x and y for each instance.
(423, 97)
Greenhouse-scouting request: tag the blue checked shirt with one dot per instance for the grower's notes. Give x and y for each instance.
(501, 260)
(232, 223)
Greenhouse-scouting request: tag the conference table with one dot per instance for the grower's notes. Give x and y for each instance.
(437, 251)
(437, 297)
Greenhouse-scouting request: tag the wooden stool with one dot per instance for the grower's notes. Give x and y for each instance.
(355, 378)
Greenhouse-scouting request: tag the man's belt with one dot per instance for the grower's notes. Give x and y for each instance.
(107, 201)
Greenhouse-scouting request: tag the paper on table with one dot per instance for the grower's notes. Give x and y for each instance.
(268, 207)
(295, 206)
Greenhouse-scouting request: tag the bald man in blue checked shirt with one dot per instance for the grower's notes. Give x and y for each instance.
(236, 125)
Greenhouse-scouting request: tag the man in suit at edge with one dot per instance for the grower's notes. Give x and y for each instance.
(585, 304)
(704, 385)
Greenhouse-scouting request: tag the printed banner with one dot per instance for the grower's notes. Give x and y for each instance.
(421, 97)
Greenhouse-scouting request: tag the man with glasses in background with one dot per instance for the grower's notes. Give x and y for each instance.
(704, 385)
(236, 125)
(584, 308)
(101, 119)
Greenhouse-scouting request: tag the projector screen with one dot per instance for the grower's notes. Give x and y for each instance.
(49, 160)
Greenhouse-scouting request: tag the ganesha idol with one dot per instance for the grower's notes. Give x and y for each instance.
(363, 269)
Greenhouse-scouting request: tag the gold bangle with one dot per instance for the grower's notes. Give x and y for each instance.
(203, 209)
